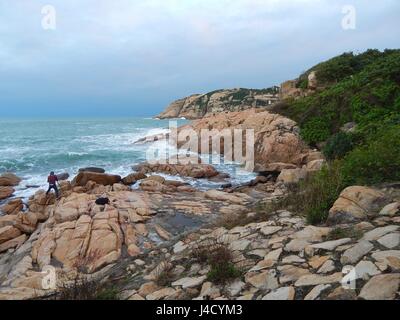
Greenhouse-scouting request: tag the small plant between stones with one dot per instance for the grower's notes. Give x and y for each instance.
(220, 259)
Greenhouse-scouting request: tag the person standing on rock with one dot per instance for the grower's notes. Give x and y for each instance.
(52, 180)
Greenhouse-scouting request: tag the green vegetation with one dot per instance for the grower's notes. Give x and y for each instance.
(338, 146)
(313, 196)
(241, 94)
(371, 97)
(375, 162)
(82, 288)
(220, 259)
(340, 233)
(364, 89)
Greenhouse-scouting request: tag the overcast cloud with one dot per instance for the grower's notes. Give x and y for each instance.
(122, 58)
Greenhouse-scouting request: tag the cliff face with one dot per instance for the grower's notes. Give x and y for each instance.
(203, 105)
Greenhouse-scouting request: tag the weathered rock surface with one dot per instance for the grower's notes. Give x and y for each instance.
(100, 178)
(381, 287)
(278, 257)
(197, 171)
(6, 192)
(9, 179)
(12, 207)
(355, 253)
(355, 204)
(133, 178)
(201, 105)
(276, 138)
(289, 176)
(8, 233)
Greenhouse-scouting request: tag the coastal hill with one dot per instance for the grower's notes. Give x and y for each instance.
(201, 105)
(320, 221)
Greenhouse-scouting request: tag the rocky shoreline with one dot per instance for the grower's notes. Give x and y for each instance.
(168, 240)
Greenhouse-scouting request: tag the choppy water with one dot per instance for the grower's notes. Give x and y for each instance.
(33, 148)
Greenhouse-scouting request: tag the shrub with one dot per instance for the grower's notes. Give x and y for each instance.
(220, 259)
(340, 233)
(222, 273)
(83, 286)
(314, 196)
(315, 130)
(375, 162)
(338, 146)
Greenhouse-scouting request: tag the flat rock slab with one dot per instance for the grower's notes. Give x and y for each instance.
(381, 287)
(291, 273)
(316, 291)
(355, 253)
(189, 282)
(365, 269)
(383, 256)
(268, 230)
(375, 234)
(284, 293)
(330, 245)
(296, 245)
(313, 279)
(390, 240)
(312, 234)
(266, 280)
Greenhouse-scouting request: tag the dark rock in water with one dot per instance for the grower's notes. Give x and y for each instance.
(28, 186)
(102, 201)
(92, 169)
(226, 186)
(63, 176)
(221, 177)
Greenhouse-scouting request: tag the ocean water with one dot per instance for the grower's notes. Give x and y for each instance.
(33, 148)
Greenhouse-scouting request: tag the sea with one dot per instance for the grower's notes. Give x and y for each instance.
(31, 148)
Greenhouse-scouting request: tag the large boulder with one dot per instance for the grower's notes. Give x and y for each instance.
(8, 232)
(92, 169)
(65, 188)
(72, 207)
(12, 207)
(8, 220)
(6, 192)
(192, 170)
(9, 180)
(100, 178)
(40, 202)
(13, 243)
(133, 178)
(276, 138)
(63, 176)
(355, 204)
(86, 242)
(289, 176)
(26, 222)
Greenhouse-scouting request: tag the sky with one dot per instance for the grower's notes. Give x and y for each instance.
(97, 58)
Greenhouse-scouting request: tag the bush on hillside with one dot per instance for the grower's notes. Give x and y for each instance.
(375, 162)
(314, 196)
(338, 146)
(369, 96)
